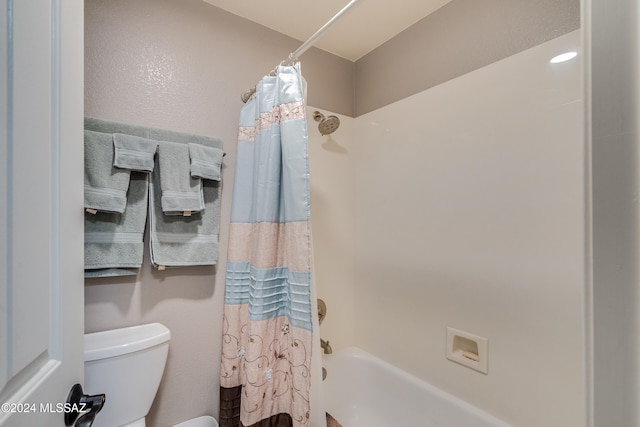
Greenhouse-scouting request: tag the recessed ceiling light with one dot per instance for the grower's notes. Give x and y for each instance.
(563, 57)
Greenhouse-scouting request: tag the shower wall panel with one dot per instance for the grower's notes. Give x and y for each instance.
(470, 213)
(333, 226)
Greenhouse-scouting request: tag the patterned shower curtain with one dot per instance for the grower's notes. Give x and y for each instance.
(267, 329)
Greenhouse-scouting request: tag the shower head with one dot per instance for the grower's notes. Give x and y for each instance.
(327, 124)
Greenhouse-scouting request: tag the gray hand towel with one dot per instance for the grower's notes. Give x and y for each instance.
(180, 192)
(105, 187)
(133, 152)
(205, 161)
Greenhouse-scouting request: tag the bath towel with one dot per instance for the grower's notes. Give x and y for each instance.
(114, 243)
(205, 161)
(133, 152)
(183, 241)
(178, 240)
(174, 240)
(105, 187)
(181, 194)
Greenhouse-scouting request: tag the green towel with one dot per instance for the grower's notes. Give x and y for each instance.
(105, 187)
(205, 161)
(174, 240)
(181, 194)
(133, 152)
(117, 240)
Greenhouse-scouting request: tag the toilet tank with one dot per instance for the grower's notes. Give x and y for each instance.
(126, 365)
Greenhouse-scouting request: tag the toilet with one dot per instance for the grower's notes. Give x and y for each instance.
(205, 421)
(126, 365)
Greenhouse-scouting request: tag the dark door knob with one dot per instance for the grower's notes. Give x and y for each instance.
(83, 405)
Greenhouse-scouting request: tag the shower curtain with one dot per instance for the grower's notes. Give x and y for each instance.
(268, 325)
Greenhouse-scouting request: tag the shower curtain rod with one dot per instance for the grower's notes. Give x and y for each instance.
(293, 56)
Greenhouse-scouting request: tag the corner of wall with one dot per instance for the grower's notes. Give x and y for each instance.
(483, 32)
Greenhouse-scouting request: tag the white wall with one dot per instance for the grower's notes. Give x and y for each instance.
(613, 100)
(333, 226)
(470, 213)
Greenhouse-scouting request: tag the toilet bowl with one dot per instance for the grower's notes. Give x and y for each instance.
(126, 365)
(199, 422)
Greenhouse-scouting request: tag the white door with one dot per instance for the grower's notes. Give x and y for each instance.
(41, 184)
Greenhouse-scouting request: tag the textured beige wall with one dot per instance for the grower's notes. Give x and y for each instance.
(460, 37)
(182, 65)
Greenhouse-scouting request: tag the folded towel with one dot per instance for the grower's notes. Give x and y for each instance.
(205, 161)
(104, 126)
(123, 255)
(181, 194)
(115, 241)
(133, 152)
(184, 138)
(174, 240)
(184, 241)
(105, 187)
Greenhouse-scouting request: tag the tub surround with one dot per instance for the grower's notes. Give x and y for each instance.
(488, 238)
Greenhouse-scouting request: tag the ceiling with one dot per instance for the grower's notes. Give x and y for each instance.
(367, 25)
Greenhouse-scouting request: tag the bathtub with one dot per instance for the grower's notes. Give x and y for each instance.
(363, 391)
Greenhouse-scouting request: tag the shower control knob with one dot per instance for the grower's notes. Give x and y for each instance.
(83, 405)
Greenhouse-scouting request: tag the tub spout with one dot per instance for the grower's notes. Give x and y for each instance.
(325, 346)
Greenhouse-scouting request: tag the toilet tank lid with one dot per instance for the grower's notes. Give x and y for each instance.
(116, 342)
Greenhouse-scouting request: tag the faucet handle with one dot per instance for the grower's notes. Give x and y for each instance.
(322, 310)
(326, 346)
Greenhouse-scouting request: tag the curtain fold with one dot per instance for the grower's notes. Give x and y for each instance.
(267, 326)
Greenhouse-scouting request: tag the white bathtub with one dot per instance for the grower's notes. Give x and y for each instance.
(364, 391)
